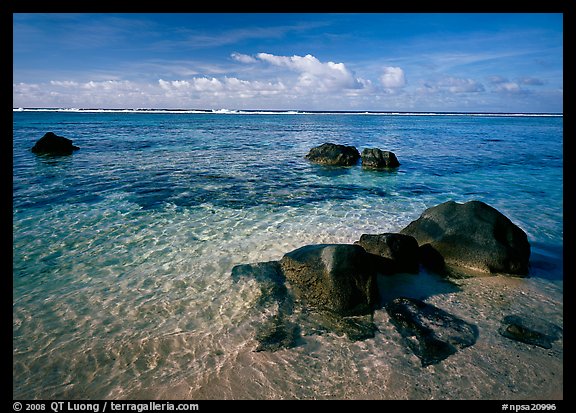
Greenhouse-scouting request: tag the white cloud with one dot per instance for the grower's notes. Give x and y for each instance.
(243, 58)
(64, 83)
(323, 77)
(393, 77)
(460, 85)
(509, 87)
(109, 85)
(227, 86)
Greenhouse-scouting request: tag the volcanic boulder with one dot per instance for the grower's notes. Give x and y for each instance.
(373, 158)
(333, 154)
(473, 236)
(335, 277)
(401, 249)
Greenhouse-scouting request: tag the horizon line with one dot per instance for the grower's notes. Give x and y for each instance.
(278, 111)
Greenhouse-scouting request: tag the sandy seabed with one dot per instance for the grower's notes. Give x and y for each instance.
(332, 367)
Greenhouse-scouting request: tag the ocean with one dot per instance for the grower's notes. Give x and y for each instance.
(123, 251)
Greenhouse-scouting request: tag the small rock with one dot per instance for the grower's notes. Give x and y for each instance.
(52, 144)
(373, 158)
(526, 331)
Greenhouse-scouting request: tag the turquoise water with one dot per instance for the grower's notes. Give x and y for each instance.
(122, 252)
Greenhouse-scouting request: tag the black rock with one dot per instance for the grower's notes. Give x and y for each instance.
(401, 249)
(333, 154)
(528, 331)
(52, 144)
(431, 259)
(431, 333)
(373, 158)
(473, 236)
(335, 277)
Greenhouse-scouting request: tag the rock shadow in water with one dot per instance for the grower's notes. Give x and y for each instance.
(430, 332)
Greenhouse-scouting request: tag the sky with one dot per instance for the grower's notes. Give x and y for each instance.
(487, 62)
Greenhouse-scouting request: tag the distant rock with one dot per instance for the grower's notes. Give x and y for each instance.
(335, 277)
(473, 236)
(373, 158)
(401, 249)
(52, 144)
(333, 154)
(431, 333)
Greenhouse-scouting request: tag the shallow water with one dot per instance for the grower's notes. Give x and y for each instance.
(122, 253)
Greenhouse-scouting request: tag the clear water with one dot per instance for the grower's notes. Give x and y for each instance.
(122, 252)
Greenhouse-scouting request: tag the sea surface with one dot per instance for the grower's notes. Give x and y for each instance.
(123, 251)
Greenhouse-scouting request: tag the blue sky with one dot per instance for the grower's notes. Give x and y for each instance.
(487, 62)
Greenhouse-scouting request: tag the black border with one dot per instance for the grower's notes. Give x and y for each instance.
(8, 7)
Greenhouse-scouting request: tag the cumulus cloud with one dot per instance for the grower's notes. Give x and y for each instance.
(64, 83)
(393, 77)
(243, 58)
(322, 76)
(230, 86)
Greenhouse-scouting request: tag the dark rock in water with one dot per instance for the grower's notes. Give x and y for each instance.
(373, 158)
(282, 325)
(335, 277)
(473, 236)
(52, 144)
(276, 333)
(431, 333)
(333, 154)
(270, 279)
(401, 249)
(522, 329)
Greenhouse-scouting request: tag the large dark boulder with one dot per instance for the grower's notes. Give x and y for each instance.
(473, 236)
(333, 154)
(373, 158)
(401, 249)
(432, 333)
(52, 144)
(334, 277)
